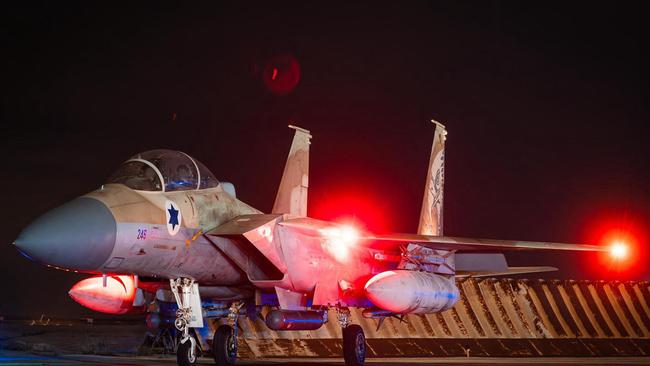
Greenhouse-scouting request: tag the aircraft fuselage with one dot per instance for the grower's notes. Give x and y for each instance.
(144, 242)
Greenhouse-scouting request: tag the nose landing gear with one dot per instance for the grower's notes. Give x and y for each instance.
(187, 352)
(186, 294)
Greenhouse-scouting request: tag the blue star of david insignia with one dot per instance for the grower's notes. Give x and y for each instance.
(173, 216)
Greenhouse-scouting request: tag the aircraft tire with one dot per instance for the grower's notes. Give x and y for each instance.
(183, 357)
(354, 345)
(224, 346)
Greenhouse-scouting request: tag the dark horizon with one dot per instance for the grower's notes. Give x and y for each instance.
(546, 108)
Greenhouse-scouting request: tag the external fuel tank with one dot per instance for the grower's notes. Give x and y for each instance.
(412, 292)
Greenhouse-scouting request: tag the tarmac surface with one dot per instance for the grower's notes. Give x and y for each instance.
(15, 359)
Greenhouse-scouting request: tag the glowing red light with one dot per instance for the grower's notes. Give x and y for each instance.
(346, 234)
(114, 298)
(362, 208)
(622, 248)
(281, 74)
(349, 235)
(339, 240)
(625, 257)
(619, 250)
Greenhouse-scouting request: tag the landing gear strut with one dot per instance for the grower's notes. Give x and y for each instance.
(354, 341)
(188, 351)
(224, 343)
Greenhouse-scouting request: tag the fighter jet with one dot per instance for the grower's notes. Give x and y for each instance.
(163, 229)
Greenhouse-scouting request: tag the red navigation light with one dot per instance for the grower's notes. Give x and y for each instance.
(345, 234)
(625, 252)
(339, 240)
(619, 250)
(623, 248)
(349, 234)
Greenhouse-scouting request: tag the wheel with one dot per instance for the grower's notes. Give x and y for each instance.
(224, 346)
(354, 345)
(185, 355)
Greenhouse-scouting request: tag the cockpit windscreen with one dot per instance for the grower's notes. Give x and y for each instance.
(166, 170)
(137, 175)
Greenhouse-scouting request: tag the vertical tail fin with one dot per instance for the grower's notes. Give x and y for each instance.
(432, 203)
(292, 194)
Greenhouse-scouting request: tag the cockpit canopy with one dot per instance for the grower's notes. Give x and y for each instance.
(163, 170)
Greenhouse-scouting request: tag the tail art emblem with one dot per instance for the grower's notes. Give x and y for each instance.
(431, 212)
(173, 215)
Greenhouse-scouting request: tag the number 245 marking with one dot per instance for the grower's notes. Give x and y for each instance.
(142, 234)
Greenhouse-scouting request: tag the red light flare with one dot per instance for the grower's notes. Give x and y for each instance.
(619, 250)
(281, 74)
(627, 253)
(362, 209)
(339, 241)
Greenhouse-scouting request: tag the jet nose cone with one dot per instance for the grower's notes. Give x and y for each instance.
(79, 235)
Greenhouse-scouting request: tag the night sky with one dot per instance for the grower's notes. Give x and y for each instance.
(546, 107)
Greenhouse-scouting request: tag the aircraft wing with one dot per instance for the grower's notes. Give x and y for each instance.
(508, 271)
(324, 228)
(470, 244)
